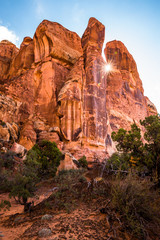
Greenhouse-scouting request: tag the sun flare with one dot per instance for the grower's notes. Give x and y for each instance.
(107, 68)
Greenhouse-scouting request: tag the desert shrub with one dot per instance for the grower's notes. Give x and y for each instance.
(141, 155)
(118, 162)
(23, 188)
(6, 180)
(31, 165)
(83, 162)
(44, 158)
(7, 160)
(41, 161)
(69, 175)
(136, 203)
(70, 184)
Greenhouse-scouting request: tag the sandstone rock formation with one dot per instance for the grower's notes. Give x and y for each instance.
(125, 99)
(94, 84)
(7, 52)
(52, 39)
(67, 163)
(24, 59)
(55, 87)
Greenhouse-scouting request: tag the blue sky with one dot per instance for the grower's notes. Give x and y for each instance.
(134, 22)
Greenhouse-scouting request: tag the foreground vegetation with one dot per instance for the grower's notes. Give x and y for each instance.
(20, 178)
(128, 193)
(144, 157)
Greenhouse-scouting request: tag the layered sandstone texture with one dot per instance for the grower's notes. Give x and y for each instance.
(55, 87)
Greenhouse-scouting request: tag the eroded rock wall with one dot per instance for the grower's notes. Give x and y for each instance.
(55, 87)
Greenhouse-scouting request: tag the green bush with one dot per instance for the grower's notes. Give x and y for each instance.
(69, 176)
(83, 162)
(118, 162)
(41, 162)
(6, 180)
(45, 158)
(141, 155)
(7, 160)
(70, 185)
(23, 188)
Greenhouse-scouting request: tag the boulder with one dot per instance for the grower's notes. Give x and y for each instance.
(46, 217)
(68, 163)
(18, 149)
(44, 232)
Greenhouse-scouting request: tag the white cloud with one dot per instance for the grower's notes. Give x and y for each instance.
(6, 34)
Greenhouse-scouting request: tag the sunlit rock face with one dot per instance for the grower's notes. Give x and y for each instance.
(7, 52)
(23, 59)
(94, 84)
(56, 49)
(52, 39)
(56, 87)
(37, 73)
(70, 108)
(125, 99)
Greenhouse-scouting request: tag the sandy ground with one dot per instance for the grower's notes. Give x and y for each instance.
(16, 232)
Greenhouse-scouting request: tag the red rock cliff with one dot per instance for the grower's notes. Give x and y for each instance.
(55, 87)
(125, 99)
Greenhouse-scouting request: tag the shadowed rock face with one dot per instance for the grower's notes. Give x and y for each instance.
(125, 98)
(122, 60)
(55, 87)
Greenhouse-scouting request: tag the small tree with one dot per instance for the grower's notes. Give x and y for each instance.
(129, 142)
(45, 158)
(152, 136)
(42, 160)
(22, 189)
(83, 162)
